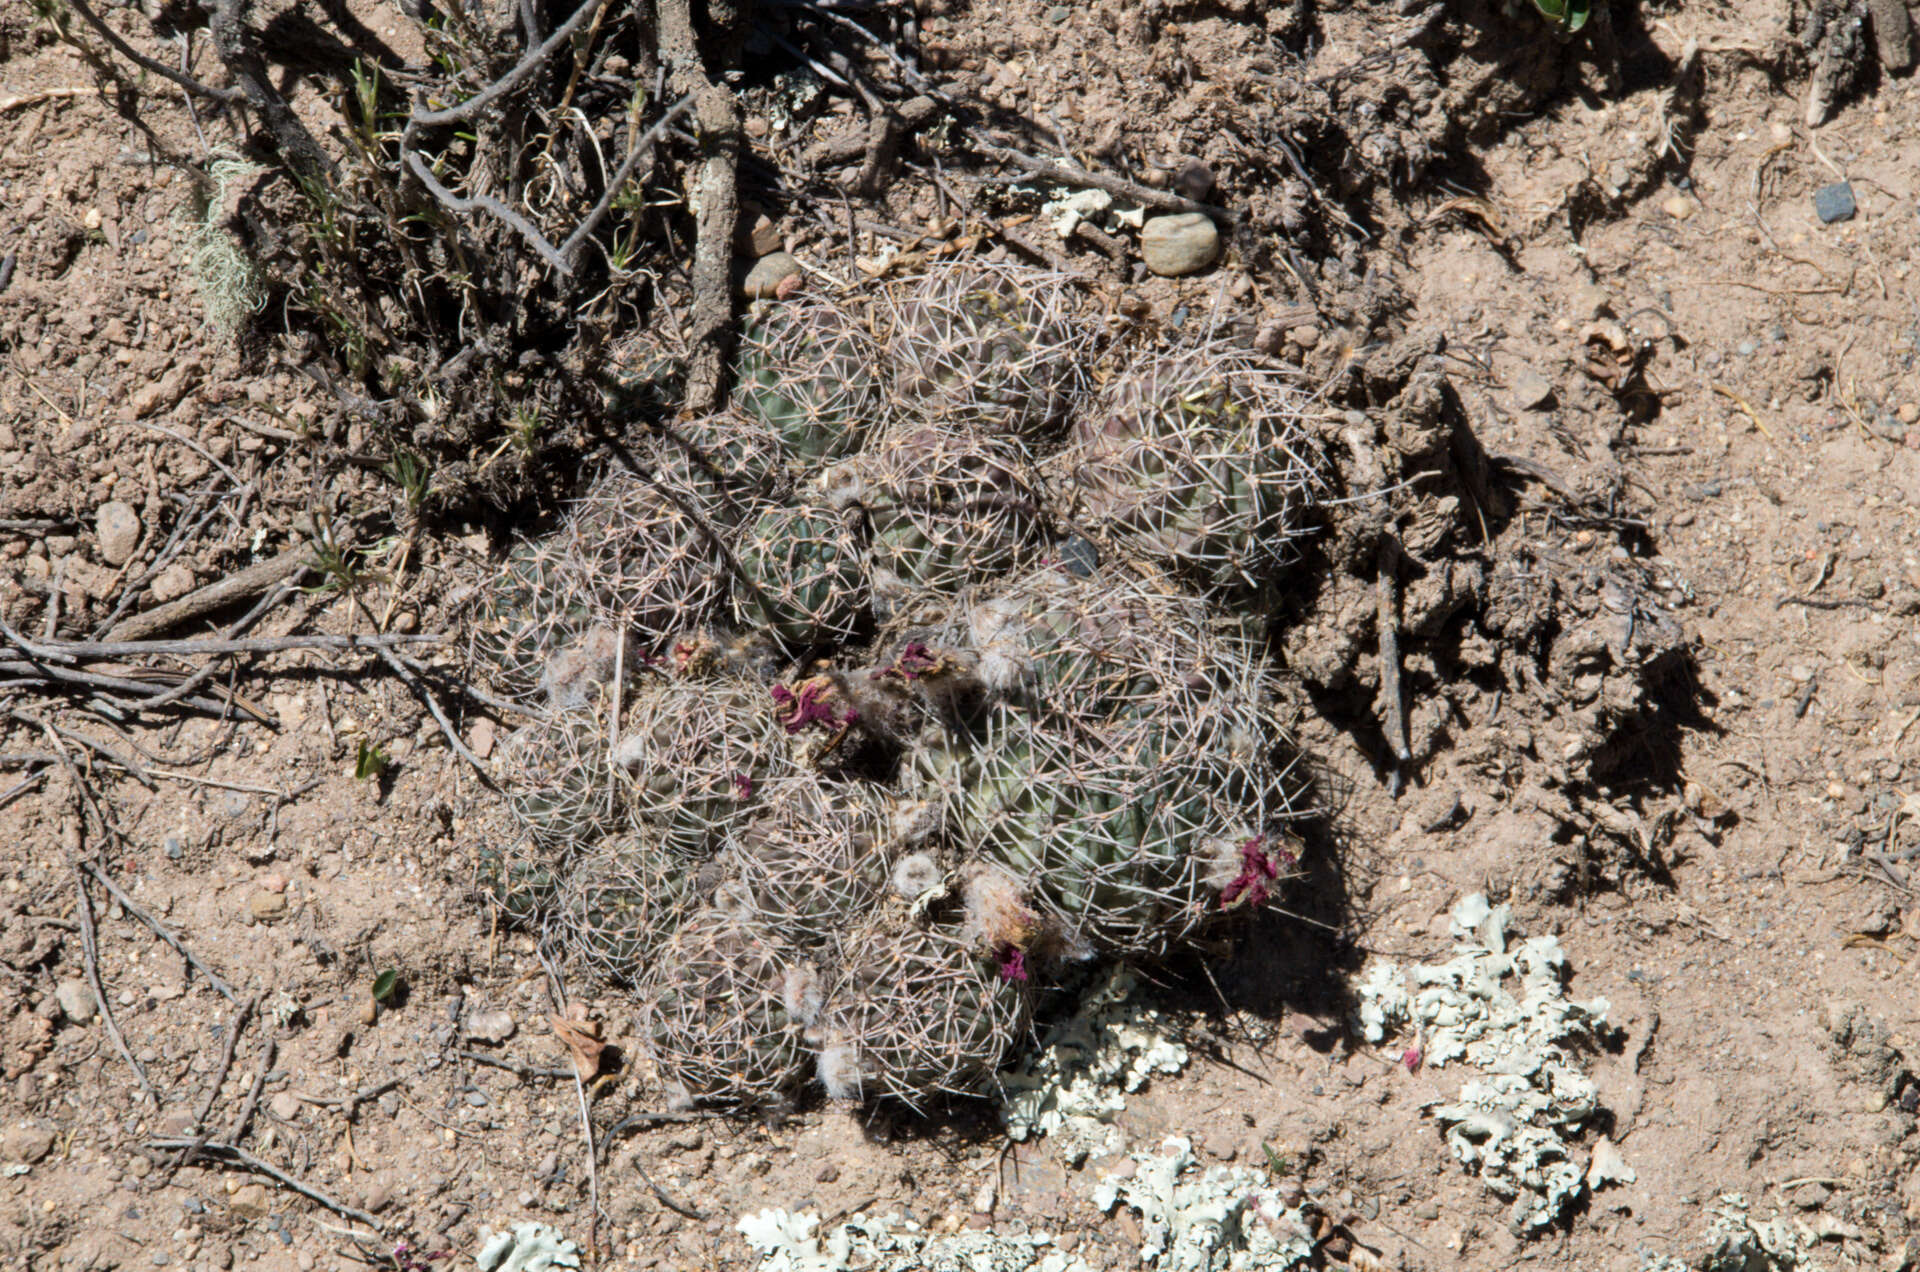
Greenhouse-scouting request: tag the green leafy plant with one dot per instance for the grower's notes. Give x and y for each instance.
(384, 984)
(369, 761)
(1566, 16)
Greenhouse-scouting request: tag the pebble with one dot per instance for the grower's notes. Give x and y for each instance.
(768, 273)
(26, 1144)
(1679, 207)
(378, 1197)
(265, 907)
(478, 1099)
(179, 1122)
(250, 1201)
(1531, 390)
(118, 527)
(490, 1026)
(1193, 179)
(172, 847)
(764, 238)
(481, 737)
(1909, 413)
(76, 1001)
(1746, 348)
(172, 583)
(285, 1106)
(139, 1167)
(1834, 202)
(1184, 243)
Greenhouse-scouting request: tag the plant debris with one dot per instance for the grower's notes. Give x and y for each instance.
(1515, 1122)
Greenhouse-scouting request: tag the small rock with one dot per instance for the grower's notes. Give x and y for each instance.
(1174, 246)
(26, 1144)
(265, 907)
(1058, 14)
(1834, 202)
(1193, 179)
(76, 1001)
(118, 526)
(259, 851)
(690, 1140)
(1531, 390)
(826, 1174)
(177, 1122)
(139, 1166)
(1679, 207)
(490, 1026)
(481, 737)
(549, 1167)
(764, 280)
(1746, 348)
(378, 1197)
(763, 239)
(173, 848)
(250, 1201)
(171, 583)
(275, 882)
(983, 1200)
(285, 1106)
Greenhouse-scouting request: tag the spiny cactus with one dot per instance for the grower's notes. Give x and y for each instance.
(1016, 739)
(913, 1013)
(522, 879)
(698, 755)
(997, 347)
(945, 509)
(809, 373)
(524, 611)
(714, 1012)
(648, 552)
(1196, 459)
(623, 899)
(812, 858)
(559, 781)
(801, 576)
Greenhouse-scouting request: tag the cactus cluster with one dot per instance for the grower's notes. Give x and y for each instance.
(928, 671)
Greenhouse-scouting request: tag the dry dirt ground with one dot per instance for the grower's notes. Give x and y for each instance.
(1681, 368)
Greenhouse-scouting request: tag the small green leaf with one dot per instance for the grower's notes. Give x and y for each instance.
(1277, 1163)
(1566, 15)
(384, 984)
(369, 761)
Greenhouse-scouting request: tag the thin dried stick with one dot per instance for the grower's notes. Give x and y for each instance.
(160, 930)
(161, 69)
(46, 95)
(500, 87)
(241, 1157)
(89, 941)
(21, 787)
(1387, 598)
(39, 673)
(215, 596)
(447, 730)
(593, 1173)
(260, 1070)
(67, 651)
(126, 762)
(1033, 167)
(201, 1114)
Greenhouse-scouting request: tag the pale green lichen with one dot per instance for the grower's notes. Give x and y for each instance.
(1220, 1219)
(526, 1247)
(790, 1242)
(227, 279)
(1739, 1242)
(1514, 1122)
(1085, 1068)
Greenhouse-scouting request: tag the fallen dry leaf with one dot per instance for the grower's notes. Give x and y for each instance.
(583, 1039)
